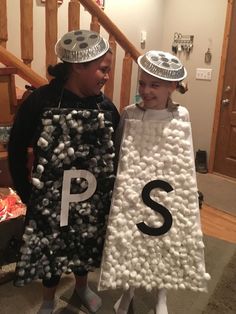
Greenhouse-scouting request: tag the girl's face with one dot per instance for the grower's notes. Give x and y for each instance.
(91, 77)
(154, 91)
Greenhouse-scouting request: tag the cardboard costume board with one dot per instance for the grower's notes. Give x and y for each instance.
(72, 181)
(154, 238)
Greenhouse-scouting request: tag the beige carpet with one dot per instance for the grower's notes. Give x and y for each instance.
(223, 299)
(218, 191)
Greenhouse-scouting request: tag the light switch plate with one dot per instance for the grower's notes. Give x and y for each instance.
(203, 74)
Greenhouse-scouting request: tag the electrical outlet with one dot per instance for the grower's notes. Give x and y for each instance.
(203, 74)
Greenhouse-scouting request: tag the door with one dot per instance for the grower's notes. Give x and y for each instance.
(225, 148)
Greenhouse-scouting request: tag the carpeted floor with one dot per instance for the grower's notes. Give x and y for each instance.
(223, 299)
(218, 191)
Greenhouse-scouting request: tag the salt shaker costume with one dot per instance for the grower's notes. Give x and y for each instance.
(68, 198)
(154, 237)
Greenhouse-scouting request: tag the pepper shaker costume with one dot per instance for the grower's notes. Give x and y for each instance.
(72, 140)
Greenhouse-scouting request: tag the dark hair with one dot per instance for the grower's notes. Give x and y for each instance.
(60, 71)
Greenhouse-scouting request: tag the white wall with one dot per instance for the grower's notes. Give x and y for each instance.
(160, 19)
(205, 20)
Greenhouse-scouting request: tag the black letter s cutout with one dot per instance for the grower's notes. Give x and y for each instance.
(157, 207)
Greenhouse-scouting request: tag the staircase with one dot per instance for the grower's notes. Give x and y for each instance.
(98, 20)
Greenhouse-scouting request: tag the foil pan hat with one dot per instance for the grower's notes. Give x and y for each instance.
(79, 46)
(162, 65)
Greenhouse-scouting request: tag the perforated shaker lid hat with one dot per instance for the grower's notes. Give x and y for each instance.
(162, 65)
(79, 46)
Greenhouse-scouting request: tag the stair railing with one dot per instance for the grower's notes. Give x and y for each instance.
(98, 18)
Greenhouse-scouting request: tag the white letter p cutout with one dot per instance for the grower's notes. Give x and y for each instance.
(66, 197)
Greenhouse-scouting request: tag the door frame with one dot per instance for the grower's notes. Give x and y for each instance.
(220, 85)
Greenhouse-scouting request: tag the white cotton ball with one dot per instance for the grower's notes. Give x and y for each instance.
(168, 279)
(119, 273)
(130, 138)
(61, 156)
(42, 142)
(37, 183)
(168, 147)
(56, 117)
(125, 274)
(148, 287)
(160, 165)
(69, 116)
(157, 155)
(137, 266)
(200, 245)
(168, 286)
(106, 275)
(125, 286)
(175, 149)
(40, 168)
(176, 254)
(113, 285)
(115, 210)
(174, 123)
(119, 283)
(124, 243)
(182, 286)
(181, 134)
(170, 140)
(167, 242)
(129, 234)
(173, 231)
(189, 224)
(143, 272)
(136, 234)
(61, 146)
(70, 151)
(166, 132)
(207, 276)
(133, 274)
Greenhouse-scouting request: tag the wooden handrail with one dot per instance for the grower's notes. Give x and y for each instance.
(98, 18)
(111, 28)
(23, 70)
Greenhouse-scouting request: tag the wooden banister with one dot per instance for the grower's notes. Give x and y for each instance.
(111, 28)
(98, 18)
(23, 70)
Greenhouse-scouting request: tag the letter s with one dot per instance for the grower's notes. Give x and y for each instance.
(157, 207)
